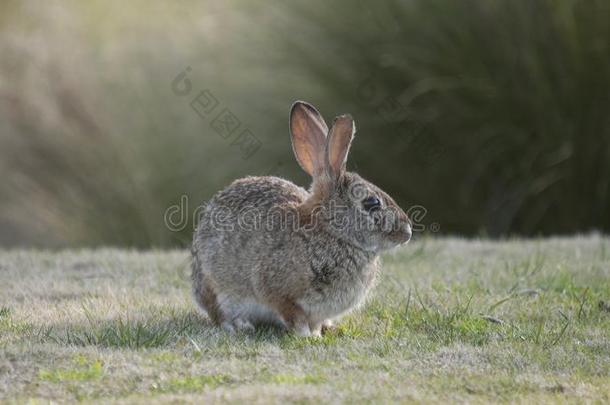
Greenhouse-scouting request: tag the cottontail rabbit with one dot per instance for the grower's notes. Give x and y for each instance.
(268, 251)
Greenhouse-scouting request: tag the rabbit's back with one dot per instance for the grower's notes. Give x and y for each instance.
(260, 193)
(238, 232)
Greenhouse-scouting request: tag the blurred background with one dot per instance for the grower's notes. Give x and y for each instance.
(492, 115)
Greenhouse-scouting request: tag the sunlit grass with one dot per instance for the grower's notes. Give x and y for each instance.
(450, 320)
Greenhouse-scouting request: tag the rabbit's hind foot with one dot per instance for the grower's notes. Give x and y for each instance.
(238, 325)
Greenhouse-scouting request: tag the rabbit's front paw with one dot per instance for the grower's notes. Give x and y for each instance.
(328, 326)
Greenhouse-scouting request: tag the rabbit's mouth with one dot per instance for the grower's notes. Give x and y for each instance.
(402, 235)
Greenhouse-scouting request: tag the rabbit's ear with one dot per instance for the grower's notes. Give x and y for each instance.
(308, 132)
(339, 141)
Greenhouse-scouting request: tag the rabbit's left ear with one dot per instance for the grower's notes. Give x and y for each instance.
(308, 131)
(337, 147)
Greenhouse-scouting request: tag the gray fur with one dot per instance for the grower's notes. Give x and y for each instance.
(266, 250)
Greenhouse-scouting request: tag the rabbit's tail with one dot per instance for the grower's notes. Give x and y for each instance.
(203, 292)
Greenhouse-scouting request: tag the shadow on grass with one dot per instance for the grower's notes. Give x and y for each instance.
(149, 330)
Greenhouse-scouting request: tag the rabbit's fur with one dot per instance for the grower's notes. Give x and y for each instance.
(268, 251)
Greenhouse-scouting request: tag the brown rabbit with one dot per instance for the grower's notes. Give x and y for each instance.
(266, 250)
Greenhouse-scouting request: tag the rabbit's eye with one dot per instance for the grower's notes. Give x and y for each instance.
(371, 204)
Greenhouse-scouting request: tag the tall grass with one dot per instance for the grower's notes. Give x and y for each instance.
(494, 115)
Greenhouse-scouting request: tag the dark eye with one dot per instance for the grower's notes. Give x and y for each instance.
(371, 204)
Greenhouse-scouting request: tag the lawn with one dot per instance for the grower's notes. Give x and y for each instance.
(450, 320)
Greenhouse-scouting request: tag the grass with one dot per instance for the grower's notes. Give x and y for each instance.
(451, 320)
(83, 370)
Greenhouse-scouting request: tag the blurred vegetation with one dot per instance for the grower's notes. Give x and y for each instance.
(493, 115)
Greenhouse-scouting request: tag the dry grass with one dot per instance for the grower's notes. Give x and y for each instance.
(466, 321)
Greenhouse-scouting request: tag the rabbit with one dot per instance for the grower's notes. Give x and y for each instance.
(267, 251)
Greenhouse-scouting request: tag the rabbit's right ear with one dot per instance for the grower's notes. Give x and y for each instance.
(308, 132)
(339, 141)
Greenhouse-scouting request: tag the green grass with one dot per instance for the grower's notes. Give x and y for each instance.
(84, 370)
(193, 383)
(451, 320)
